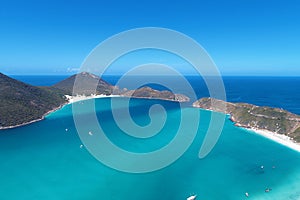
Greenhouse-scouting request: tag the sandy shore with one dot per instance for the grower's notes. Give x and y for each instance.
(73, 99)
(279, 138)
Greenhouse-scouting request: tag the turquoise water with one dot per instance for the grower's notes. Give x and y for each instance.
(43, 161)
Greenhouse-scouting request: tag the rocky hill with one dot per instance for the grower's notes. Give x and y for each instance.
(149, 93)
(87, 84)
(259, 117)
(22, 103)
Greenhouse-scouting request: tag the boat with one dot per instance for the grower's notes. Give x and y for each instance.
(268, 189)
(193, 197)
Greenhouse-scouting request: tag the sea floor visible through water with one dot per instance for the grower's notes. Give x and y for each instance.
(44, 161)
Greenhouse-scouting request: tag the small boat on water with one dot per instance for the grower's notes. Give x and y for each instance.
(268, 189)
(193, 197)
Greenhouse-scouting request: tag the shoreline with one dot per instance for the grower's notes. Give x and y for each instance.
(73, 99)
(36, 120)
(278, 138)
(275, 137)
(153, 98)
(70, 100)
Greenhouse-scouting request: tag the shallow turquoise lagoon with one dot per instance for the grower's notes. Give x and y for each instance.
(44, 161)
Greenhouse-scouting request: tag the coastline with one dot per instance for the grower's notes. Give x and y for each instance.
(73, 99)
(278, 138)
(153, 98)
(261, 123)
(36, 120)
(70, 100)
(275, 137)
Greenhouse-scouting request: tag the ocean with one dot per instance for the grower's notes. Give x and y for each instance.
(44, 160)
(280, 92)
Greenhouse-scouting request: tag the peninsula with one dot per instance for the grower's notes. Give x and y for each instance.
(275, 123)
(22, 103)
(149, 93)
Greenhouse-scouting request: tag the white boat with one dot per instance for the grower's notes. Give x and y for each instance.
(193, 197)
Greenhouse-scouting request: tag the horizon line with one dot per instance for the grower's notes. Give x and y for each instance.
(227, 75)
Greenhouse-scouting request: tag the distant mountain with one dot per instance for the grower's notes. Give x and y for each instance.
(87, 84)
(258, 117)
(22, 103)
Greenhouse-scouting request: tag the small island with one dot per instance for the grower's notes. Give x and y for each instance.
(275, 123)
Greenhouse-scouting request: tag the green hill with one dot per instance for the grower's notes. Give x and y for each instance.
(22, 103)
(150, 93)
(258, 117)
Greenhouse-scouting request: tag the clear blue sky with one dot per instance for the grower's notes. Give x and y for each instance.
(244, 37)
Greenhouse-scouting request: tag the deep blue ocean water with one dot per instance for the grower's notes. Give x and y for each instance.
(44, 161)
(281, 92)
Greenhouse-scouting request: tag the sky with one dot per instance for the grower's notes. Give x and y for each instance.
(243, 37)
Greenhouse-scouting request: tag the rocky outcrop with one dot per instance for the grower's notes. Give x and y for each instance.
(149, 93)
(86, 84)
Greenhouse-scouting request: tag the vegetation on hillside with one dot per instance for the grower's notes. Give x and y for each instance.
(147, 92)
(22, 103)
(259, 117)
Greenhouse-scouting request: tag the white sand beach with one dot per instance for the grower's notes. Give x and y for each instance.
(73, 99)
(279, 138)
